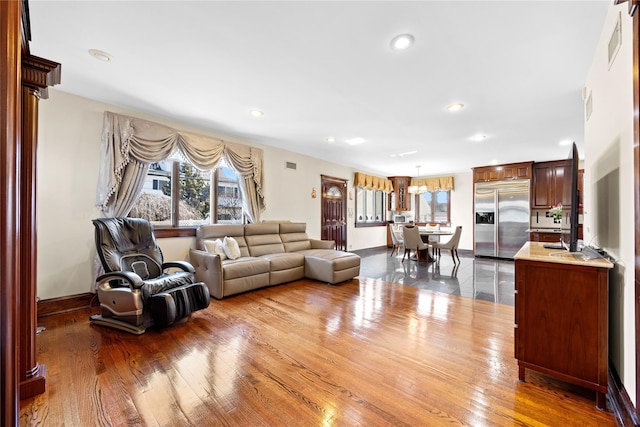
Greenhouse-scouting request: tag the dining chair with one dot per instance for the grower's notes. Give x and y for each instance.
(396, 239)
(451, 244)
(412, 241)
(433, 227)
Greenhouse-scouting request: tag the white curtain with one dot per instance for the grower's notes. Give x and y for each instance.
(130, 144)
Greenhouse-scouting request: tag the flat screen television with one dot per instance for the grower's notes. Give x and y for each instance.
(570, 235)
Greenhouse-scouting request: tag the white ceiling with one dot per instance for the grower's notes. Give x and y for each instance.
(325, 68)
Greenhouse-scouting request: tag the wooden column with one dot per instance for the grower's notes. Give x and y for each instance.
(10, 130)
(32, 375)
(37, 75)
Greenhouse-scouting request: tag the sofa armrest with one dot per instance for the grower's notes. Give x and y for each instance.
(208, 268)
(322, 244)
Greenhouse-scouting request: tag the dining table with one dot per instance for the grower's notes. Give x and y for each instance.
(424, 255)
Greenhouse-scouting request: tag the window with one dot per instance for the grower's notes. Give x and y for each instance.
(433, 207)
(190, 201)
(370, 207)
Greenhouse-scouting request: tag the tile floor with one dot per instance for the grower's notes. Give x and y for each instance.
(481, 278)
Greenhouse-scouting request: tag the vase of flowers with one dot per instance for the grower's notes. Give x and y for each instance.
(556, 213)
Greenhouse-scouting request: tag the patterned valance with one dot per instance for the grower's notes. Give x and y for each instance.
(434, 184)
(372, 182)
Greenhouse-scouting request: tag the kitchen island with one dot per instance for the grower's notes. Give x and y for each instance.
(561, 316)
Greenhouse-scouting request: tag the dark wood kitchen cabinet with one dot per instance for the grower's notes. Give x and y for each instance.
(400, 199)
(538, 236)
(548, 237)
(561, 318)
(504, 172)
(548, 187)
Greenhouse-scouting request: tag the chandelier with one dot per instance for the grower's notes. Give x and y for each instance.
(414, 189)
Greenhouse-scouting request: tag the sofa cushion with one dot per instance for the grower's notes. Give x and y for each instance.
(244, 267)
(294, 236)
(330, 266)
(284, 261)
(263, 239)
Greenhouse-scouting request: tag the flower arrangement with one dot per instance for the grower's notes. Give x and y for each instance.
(556, 212)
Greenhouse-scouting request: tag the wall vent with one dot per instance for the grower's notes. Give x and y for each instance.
(291, 165)
(616, 40)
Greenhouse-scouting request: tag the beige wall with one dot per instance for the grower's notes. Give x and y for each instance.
(68, 159)
(608, 185)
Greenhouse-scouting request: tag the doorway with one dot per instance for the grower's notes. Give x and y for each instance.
(334, 211)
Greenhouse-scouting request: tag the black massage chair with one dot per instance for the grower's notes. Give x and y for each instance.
(139, 289)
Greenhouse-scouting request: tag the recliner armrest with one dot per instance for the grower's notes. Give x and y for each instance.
(134, 281)
(182, 265)
(322, 244)
(208, 269)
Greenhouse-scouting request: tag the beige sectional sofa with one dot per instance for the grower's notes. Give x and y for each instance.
(270, 254)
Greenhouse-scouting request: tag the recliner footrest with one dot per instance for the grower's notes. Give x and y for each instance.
(178, 303)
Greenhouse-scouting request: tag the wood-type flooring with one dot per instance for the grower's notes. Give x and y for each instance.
(362, 353)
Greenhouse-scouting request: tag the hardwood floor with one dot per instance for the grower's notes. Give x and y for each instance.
(365, 352)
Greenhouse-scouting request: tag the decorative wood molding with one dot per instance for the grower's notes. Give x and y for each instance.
(49, 307)
(619, 400)
(165, 232)
(40, 73)
(633, 5)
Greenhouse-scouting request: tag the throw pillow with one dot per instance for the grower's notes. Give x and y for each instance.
(220, 250)
(215, 247)
(231, 248)
(210, 246)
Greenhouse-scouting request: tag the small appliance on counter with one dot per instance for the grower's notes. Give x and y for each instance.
(400, 219)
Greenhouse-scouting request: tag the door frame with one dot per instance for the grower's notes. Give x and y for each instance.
(340, 183)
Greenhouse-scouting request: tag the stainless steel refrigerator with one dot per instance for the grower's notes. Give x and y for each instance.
(502, 215)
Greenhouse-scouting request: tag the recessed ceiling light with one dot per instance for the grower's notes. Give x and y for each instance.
(402, 42)
(257, 113)
(566, 142)
(455, 107)
(478, 137)
(330, 139)
(355, 141)
(100, 55)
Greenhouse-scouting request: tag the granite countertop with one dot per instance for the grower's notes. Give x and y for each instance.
(535, 251)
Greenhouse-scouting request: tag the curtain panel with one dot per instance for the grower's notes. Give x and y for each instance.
(130, 144)
(363, 180)
(443, 183)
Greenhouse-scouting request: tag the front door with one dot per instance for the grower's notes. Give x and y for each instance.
(334, 211)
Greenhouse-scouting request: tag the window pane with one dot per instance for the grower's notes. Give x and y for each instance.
(426, 214)
(441, 213)
(360, 207)
(154, 203)
(229, 202)
(369, 209)
(370, 205)
(379, 206)
(195, 189)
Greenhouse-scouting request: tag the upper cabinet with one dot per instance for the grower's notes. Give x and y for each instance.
(502, 172)
(548, 184)
(400, 199)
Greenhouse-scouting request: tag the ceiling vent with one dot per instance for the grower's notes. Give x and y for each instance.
(616, 40)
(291, 165)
